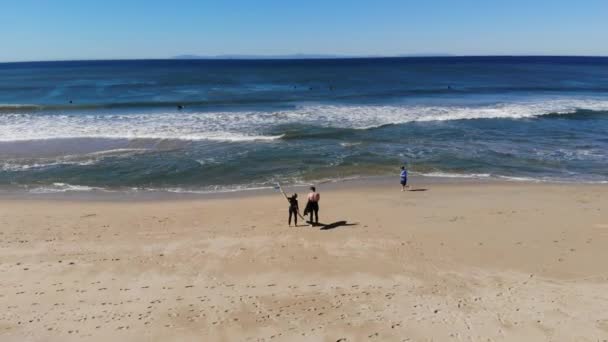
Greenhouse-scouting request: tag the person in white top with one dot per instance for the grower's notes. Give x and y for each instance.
(312, 206)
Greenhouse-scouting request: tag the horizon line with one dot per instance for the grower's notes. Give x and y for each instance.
(303, 56)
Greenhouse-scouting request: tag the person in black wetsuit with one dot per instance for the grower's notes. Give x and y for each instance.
(293, 210)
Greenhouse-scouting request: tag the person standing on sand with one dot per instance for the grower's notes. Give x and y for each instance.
(312, 206)
(404, 179)
(293, 210)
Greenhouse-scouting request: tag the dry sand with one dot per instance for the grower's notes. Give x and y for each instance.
(472, 262)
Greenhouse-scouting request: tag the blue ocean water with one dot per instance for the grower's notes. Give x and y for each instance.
(249, 123)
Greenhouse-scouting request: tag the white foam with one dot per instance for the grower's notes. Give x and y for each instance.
(63, 187)
(511, 178)
(350, 144)
(212, 190)
(9, 106)
(523, 179)
(15, 165)
(483, 176)
(251, 126)
(364, 117)
(456, 175)
(207, 161)
(120, 151)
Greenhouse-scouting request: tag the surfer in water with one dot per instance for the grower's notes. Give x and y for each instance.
(312, 206)
(403, 179)
(293, 210)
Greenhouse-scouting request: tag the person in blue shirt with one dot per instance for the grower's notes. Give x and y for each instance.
(404, 179)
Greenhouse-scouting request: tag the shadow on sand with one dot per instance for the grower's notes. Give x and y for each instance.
(419, 189)
(333, 225)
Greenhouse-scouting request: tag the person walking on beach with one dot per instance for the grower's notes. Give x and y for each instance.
(312, 206)
(404, 179)
(293, 210)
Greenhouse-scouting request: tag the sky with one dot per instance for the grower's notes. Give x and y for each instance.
(33, 30)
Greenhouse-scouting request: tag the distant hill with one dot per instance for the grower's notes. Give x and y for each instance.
(426, 55)
(293, 56)
(302, 56)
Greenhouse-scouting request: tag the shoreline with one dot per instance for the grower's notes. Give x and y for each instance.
(363, 182)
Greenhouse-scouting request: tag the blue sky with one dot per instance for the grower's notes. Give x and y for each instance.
(86, 29)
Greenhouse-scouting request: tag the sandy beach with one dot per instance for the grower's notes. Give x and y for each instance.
(489, 261)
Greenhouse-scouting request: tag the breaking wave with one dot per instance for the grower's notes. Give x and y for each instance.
(257, 125)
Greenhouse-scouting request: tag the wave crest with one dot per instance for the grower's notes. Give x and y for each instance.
(255, 125)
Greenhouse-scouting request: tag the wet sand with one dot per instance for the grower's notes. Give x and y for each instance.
(462, 262)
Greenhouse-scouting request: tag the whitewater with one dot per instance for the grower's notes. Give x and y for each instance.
(251, 125)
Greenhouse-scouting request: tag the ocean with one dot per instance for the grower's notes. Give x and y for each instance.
(222, 125)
